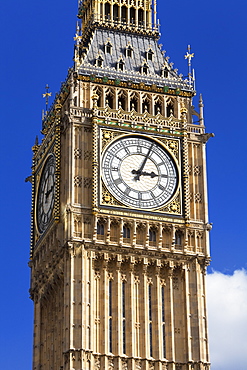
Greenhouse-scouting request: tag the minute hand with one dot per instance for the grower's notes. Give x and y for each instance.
(139, 172)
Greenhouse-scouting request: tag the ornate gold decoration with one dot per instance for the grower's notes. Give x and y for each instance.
(172, 145)
(108, 136)
(107, 198)
(173, 207)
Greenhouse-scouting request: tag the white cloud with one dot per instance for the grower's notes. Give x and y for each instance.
(227, 320)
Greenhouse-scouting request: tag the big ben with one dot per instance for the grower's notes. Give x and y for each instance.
(120, 230)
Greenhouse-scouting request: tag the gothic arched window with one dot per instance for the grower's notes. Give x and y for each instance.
(115, 12)
(132, 15)
(124, 14)
(126, 232)
(178, 239)
(100, 230)
(107, 11)
(152, 235)
(140, 17)
(158, 107)
(170, 109)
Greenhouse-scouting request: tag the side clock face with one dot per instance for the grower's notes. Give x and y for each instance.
(139, 172)
(46, 192)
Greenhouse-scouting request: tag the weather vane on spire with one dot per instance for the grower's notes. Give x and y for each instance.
(189, 56)
(46, 96)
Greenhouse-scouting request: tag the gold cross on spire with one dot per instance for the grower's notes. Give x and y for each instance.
(189, 57)
(46, 95)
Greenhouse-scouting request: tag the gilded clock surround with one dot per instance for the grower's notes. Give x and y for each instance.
(121, 288)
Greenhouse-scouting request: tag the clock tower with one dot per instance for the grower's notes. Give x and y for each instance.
(119, 236)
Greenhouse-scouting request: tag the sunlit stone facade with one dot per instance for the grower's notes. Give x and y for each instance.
(118, 286)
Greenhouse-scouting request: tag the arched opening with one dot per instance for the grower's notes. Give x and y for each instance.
(122, 101)
(99, 92)
(158, 108)
(170, 109)
(124, 14)
(134, 103)
(109, 99)
(107, 11)
(115, 12)
(146, 105)
(132, 15)
(100, 230)
(178, 239)
(152, 237)
(126, 233)
(140, 17)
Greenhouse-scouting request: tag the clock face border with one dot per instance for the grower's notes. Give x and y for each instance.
(171, 204)
(46, 190)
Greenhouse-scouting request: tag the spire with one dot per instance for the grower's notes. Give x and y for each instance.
(46, 95)
(201, 106)
(189, 57)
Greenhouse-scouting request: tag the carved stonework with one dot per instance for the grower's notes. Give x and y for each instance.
(173, 207)
(96, 363)
(78, 181)
(110, 364)
(108, 199)
(88, 182)
(124, 365)
(172, 146)
(88, 155)
(77, 153)
(108, 136)
(138, 365)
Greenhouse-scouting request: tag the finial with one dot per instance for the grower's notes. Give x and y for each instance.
(36, 140)
(46, 96)
(201, 106)
(189, 57)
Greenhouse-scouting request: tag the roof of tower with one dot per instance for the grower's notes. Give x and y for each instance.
(142, 46)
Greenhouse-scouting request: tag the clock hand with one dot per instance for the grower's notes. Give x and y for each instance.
(139, 172)
(151, 174)
(48, 192)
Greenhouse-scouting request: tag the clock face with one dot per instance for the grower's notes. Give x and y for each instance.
(139, 172)
(46, 192)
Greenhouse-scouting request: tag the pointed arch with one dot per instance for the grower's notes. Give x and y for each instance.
(158, 106)
(109, 98)
(99, 91)
(146, 104)
(134, 102)
(170, 107)
(122, 100)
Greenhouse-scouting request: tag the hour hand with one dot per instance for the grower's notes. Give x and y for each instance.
(143, 173)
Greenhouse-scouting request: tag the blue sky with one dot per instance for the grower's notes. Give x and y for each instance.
(37, 48)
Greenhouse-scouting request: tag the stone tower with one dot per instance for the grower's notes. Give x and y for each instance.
(119, 238)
